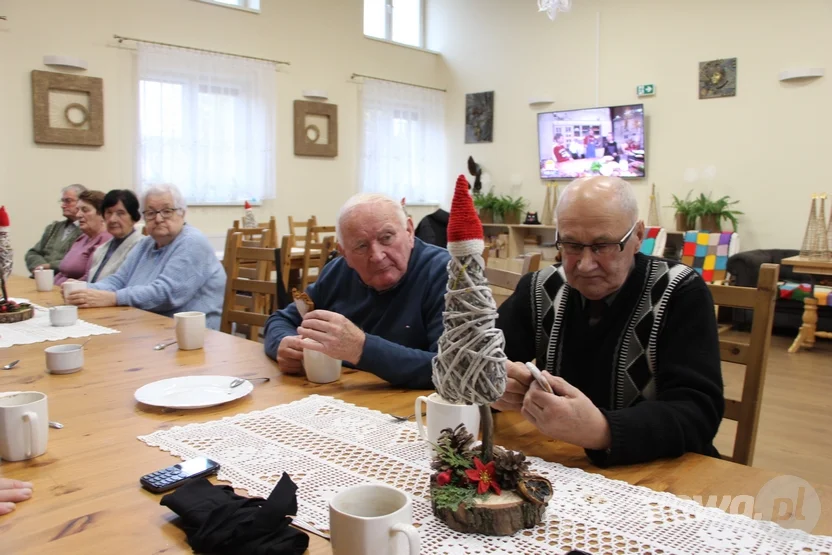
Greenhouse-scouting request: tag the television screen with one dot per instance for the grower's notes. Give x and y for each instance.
(595, 141)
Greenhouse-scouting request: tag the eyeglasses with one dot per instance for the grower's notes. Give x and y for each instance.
(67, 201)
(598, 249)
(167, 213)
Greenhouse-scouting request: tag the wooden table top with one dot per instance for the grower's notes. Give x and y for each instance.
(807, 265)
(87, 495)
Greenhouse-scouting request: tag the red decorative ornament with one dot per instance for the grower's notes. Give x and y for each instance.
(443, 478)
(484, 475)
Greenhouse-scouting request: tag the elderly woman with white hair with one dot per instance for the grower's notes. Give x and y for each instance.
(173, 270)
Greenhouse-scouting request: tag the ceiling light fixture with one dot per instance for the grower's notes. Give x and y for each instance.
(552, 7)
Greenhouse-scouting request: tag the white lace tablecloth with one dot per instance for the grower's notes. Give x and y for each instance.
(38, 329)
(326, 445)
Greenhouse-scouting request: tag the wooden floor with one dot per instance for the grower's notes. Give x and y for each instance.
(795, 434)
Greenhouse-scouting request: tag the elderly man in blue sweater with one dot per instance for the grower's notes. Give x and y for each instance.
(378, 307)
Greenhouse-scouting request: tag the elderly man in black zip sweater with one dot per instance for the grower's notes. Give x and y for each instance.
(629, 341)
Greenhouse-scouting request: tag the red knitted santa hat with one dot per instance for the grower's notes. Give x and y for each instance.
(464, 227)
(4, 217)
(248, 206)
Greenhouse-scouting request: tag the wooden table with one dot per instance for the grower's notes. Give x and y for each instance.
(809, 330)
(87, 495)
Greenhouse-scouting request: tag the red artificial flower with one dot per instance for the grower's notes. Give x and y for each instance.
(443, 478)
(485, 475)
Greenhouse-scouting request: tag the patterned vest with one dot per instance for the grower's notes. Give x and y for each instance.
(635, 355)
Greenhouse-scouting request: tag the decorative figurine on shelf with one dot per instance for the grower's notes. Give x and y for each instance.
(475, 170)
(483, 489)
(249, 220)
(531, 219)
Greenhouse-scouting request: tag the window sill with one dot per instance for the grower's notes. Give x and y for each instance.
(233, 7)
(394, 43)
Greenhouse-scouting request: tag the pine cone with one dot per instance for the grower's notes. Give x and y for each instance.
(510, 467)
(457, 441)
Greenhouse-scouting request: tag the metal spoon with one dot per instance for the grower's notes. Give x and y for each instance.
(10, 365)
(56, 425)
(241, 381)
(404, 418)
(164, 344)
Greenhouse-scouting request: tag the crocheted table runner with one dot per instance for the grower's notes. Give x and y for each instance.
(326, 444)
(38, 329)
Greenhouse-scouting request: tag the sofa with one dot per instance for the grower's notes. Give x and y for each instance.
(744, 268)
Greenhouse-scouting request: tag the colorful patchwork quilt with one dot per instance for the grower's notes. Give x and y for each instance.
(648, 246)
(708, 253)
(799, 291)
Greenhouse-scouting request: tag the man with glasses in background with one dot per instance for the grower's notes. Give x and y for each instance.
(628, 342)
(58, 236)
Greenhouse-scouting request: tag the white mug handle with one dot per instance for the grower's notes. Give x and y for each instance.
(32, 418)
(420, 424)
(412, 534)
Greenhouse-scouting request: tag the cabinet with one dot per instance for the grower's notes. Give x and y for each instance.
(517, 234)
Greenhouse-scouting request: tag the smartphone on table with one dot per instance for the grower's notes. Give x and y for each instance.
(174, 476)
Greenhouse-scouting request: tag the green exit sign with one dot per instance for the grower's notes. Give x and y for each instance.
(646, 90)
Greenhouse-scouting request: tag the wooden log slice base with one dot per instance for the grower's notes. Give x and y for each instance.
(18, 316)
(495, 515)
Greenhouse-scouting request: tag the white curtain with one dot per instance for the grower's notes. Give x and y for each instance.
(403, 142)
(207, 124)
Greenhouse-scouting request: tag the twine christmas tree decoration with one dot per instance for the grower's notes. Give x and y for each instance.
(6, 253)
(653, 211)
(249, 220)
(808, 248)
(550, 203)
(469, 367)
(816, 240)
(823, 237)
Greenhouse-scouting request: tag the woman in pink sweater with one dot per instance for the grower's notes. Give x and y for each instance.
(76, 264)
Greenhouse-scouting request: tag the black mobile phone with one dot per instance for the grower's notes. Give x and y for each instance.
(176, 475)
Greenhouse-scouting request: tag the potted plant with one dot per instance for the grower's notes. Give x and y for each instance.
(685, 216)
(485, 205)
(511, 209)
(712, 212)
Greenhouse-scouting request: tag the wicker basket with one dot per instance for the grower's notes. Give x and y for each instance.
(19, 316)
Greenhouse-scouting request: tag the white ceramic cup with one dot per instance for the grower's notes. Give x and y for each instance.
(320, 368)
(190, 330)
(24, 425)
(44, 279)
(70, 286)
(441, 414)
(64, 359)
(372, 519)
(64, 315)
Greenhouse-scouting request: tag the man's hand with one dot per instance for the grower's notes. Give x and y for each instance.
(11, 492)
(290, 355)
(568, 415)
(519, 380)
(332, 334)
(91, 298)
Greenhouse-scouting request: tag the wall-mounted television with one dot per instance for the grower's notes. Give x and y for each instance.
(595, 141)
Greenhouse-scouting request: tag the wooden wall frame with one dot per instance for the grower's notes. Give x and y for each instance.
(304, 146)
(42, 83)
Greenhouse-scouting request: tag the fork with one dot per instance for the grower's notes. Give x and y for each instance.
(241, 381)
(404, 418)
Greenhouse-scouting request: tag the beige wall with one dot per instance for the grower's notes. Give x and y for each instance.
(322, 39)
(767, 146)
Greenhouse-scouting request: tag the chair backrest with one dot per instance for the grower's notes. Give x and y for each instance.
(315, 252)
(297, 231)
(754, 355)
(236, 284)
(270, 226)
(508, 279)
(654, 241)
(262, 236)
(708, 253)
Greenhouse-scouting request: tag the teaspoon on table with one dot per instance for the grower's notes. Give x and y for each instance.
(241, 381)
(10, 365)
(164, 344)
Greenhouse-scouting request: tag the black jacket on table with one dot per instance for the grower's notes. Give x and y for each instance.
(651, 364)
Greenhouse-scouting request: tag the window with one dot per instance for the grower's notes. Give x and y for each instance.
(248, 5)
(403, 142)
(394, 20)
(206, 124)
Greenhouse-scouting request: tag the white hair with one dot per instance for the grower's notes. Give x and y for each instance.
(164, 189)
(77, 188)
(362, 199)
(624, 196)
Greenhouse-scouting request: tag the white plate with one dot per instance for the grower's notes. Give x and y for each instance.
(192, 392)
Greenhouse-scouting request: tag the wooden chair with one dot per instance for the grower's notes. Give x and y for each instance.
(507, 279)
(297, 232)
(264, 235)
(236, 285)
(315, 252)
(754, 355)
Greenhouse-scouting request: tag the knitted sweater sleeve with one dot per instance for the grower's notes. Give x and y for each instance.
(36, 255)
(689, 404)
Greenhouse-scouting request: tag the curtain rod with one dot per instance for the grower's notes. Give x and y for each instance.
(122, 39)
(354, 75)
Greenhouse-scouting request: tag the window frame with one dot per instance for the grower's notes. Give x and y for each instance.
(388, 26)
(245, 7)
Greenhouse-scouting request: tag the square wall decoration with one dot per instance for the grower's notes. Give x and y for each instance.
(718, 78)
(479, 117)
(316, 129)
(67, 109)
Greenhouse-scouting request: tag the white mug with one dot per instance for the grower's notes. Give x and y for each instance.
(70, 286)
(44, 279)
(64, 359)
(190, 330)
(64, 315)
(442, 414)
(24, 425)
(372, 519)
(320, 368)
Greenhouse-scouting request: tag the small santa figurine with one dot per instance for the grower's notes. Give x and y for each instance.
(248, 217)
(6, 253)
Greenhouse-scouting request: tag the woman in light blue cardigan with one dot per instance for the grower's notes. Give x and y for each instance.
(172, 270)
